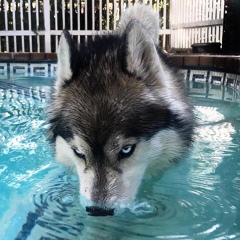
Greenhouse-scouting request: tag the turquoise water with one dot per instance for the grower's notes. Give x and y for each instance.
(199, 198)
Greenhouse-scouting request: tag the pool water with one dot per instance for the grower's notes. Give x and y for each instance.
(199, 198)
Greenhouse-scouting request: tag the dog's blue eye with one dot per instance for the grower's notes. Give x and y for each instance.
(79, 154)
(127, 151)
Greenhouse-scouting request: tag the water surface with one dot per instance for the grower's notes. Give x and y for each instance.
(199, 198)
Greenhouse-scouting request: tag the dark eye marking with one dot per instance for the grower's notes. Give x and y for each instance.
(126, 151)
(79, 154)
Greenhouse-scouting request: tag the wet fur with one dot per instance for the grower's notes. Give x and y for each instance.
(114, 91)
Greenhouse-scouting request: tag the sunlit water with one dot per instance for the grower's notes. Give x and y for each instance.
(199, 198)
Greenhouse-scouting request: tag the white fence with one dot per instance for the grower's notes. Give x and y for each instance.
(196, 21)
(35, 26)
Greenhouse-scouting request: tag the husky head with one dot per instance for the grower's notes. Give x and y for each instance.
(118, 113)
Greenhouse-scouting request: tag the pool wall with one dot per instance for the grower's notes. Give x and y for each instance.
(217, 69)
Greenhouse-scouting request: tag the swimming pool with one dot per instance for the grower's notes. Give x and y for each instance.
(199, 198)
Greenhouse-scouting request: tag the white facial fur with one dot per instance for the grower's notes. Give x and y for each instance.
(66, 156)
(149, 156)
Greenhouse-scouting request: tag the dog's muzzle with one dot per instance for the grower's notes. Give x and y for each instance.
(100, 211)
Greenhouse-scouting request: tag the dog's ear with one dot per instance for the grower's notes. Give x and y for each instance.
(141, 56)
(144, 14)
(66, 51)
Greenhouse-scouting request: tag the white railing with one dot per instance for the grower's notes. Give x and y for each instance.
(196, 21)
(35, 26)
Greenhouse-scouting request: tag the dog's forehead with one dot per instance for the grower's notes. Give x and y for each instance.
(98, 102)
(99, 107)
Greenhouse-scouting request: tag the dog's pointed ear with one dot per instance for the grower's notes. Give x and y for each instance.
(141, 57)
(66, 51)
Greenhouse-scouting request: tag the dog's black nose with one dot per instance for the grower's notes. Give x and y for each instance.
(99, 211)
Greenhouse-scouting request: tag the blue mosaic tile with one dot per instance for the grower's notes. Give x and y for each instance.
(19, 69)
(39, 69)
(3, 68)
(216, 77)
(230, 79)
(198, 75)
(53, 69)
(193, 75)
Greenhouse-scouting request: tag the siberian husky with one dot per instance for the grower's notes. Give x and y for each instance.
(119, 112)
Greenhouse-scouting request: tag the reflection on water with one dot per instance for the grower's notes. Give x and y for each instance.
(24, 150)
(214, 137)
(199, 198)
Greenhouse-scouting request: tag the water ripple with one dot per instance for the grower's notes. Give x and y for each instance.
(61, 215)
(57, 207)
(197, 199)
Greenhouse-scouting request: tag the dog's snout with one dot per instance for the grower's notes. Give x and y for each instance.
(99, 211)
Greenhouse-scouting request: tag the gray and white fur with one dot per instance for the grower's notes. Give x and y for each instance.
(119, 112)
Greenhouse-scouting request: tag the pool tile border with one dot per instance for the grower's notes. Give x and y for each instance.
(208, 87)
(48, 68)
(26, 68)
